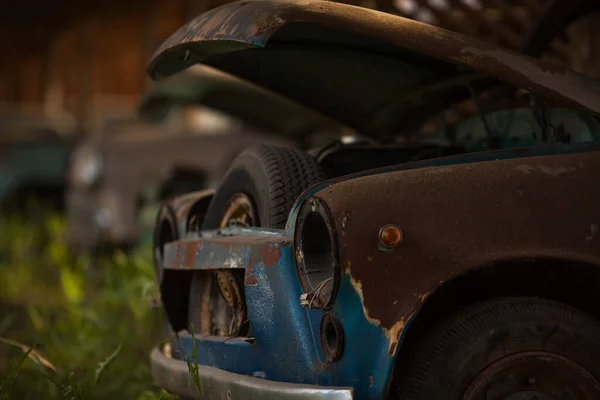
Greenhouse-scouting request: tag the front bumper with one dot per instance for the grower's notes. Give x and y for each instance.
(82, 228)
(173, 375)
(100, 219)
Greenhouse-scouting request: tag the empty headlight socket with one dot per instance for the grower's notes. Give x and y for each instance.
(316, 254)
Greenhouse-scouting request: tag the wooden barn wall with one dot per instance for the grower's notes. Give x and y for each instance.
(89, 49)
(94, 54)
(85, 55)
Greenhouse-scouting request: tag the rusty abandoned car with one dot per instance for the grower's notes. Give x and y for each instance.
(453, 255)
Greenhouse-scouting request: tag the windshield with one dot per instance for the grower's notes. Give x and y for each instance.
(499, 117)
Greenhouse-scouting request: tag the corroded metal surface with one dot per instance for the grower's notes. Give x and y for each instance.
(174, 376)
(457, 218)
(285, 336)
(255, 23)
(454, 215)
(225, 252)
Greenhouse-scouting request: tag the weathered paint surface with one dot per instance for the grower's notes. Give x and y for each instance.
(465, 213)
(286, 336)
(459, 217)
(218, 252)
(254, 23)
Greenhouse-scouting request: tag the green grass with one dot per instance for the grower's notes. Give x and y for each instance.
(192, 363)
(92, 323)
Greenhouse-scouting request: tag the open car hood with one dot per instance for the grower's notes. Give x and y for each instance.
(257, 106)
(353, 64)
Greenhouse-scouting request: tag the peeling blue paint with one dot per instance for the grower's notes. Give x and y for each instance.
(287, 342)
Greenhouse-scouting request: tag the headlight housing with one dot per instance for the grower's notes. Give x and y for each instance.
(86, 167)
(316, 254)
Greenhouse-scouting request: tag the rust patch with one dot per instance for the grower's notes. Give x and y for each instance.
(424, 296)
(190, 252)
(393, 333)
(270, 255)
(174, 262)
(344, 221)
(251, 280)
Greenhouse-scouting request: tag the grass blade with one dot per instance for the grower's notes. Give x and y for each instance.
(31, 352)
(102, 365)
(193, 364)
(7, 383)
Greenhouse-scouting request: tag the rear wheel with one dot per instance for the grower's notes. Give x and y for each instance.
(507, 349)
(259, 190)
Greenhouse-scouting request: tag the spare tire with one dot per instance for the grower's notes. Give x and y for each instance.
(272, 178)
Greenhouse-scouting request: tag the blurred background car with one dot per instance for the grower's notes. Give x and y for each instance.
(119, 174)
(34, 155)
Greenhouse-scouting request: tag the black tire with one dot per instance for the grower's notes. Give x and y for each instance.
(272, 177)
(450, 361)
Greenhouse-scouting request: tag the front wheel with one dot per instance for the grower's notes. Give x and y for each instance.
(263, 182)
(259, 190)
(507, 349)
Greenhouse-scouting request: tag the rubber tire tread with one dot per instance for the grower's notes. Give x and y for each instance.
(273, 177)
(450, 341)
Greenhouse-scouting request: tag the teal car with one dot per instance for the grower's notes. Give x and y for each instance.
(34, 157)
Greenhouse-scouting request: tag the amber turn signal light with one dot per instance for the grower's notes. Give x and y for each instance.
(390, 236)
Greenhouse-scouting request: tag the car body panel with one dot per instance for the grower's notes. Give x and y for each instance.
(8, 179)
(32, 166)
(459, 218)
(326, 45)
(448, 232)
(272, 297)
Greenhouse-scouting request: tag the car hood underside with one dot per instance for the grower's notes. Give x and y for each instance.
(363, 64)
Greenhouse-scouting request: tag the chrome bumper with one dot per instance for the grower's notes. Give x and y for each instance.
(173, 376)
(82, 229)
